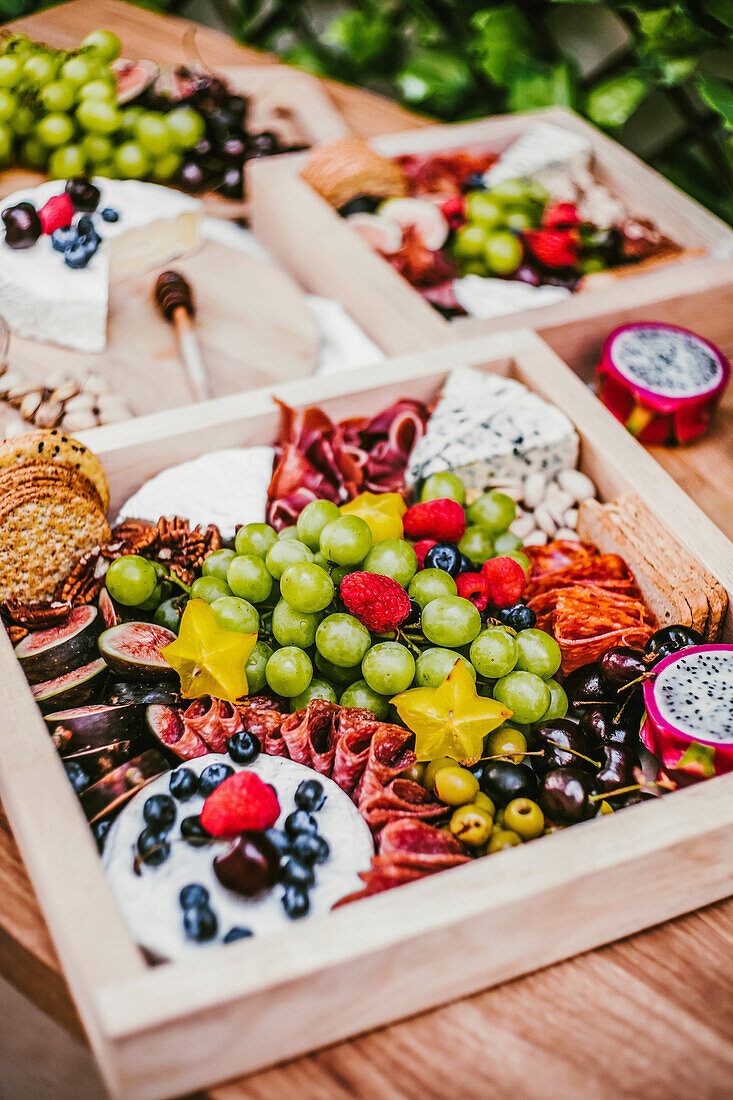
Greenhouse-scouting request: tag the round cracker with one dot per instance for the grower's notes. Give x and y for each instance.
(55, 446)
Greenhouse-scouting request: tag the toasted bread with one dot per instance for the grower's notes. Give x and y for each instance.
(343, 169)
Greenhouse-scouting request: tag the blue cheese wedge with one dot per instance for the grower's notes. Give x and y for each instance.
(492, 431)
(543, 146)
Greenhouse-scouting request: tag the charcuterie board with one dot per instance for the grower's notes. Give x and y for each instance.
(372, 961)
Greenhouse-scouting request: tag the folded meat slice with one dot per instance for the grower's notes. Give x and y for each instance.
(310, 735)
(213, 721)
(356, 728)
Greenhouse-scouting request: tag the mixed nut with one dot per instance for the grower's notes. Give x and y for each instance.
(60, 400)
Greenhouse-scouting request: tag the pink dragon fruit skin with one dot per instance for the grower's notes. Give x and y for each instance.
(641, 366)
(690, 756)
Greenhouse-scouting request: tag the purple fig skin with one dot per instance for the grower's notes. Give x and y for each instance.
(565, 796)
(621, 665)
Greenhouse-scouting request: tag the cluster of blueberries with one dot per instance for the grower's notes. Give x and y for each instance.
(79, 242)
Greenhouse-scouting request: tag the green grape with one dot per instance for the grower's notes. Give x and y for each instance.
(494, 512)
(558, 707)
(313, 519)
(24, 120)
(494, 653)
(55, 130)
(339, 572)
(477, 544)
(6, 143)
(291, 627)
(255, 665)
(473, 267)
(434, 664)
(388, 668)
(104, 44)
(98, 89)
(321, 559)
(186, 127)
(289, 671)
(129, 118)
(339, 676)
(209, 589)
(153, 599)
(346, 540)
(429, 584)
(317, 689)
(67, 162)
(34, 153)
(538, 652)
(393, 558)
(168, 614)
(526, 695)
(359, 694)
(234, 613)
(8, 105)
(131, 580)
(470, 242)
(164, 168)
(39, 68)
(511, 191)
(506, 543)
(248, 577)
(217, 564)
(255, 538)
(483, 209)
(152, 131)
(450, 621)
(519, 219)
(520, 558)
(11, 69)
(289, 532)
(284, 553)
(306, 587)
(99, 116)
(131, 160)
(77, 71)
(443, 485)
(343, 640)
(107, 170)
(503, 253)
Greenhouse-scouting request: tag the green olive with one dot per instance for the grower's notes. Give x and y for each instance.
(416, 773)
(485, 803)
(503, 838)
(433, 768)
(525, 818)
(505, 742)
(456, 786)
(471, 824)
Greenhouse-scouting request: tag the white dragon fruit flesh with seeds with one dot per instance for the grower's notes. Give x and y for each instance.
(689, 708)
(662, 382)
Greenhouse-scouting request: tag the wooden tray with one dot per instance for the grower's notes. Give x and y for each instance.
(253, 325)
(318, 246)
(180, 1026)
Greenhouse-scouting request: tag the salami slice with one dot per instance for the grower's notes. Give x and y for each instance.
(356, 728)
(265, 724)
(399, 799)
(310, 736)
(213, 723)
(391, 752)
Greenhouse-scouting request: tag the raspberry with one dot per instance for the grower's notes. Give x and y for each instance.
(560, 215)
(241, 803)
(505, 581)
(472, 586)
(421, 548)
(380, 603)
(443, 520)
(553, 247)
(454, 211)
(57, 213)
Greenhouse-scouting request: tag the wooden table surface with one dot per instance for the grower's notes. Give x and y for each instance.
(651, 1016)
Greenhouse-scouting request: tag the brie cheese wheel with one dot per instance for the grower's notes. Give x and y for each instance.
(487, 298)
(42, 298)
(542, 146)
(227, 488)
(492, 431)
(149, 899)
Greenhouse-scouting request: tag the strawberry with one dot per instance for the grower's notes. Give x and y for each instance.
(553, 247)
(421, 548)
(57, 213)
(454, 211)
(380, 603)
(442, 519)
(240, 804)
(505, 581)
(560, 215)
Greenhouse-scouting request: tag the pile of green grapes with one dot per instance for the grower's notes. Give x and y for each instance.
(59, 114)
(489, 244)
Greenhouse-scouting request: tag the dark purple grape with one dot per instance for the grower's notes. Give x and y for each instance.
(565, 796)
(617, 768)
(236, 108)
(263, 145)
(251, 865)
(557, 738)
(621, 665)
(202, 148)
(601, 725)
(585, 686)
(217, 127)
(502, 781)
(22, 225)
(233, 149)
(83, 194)
(670, 639)
(191, 176)
(527, 274)
(360, 204)
(232, 184)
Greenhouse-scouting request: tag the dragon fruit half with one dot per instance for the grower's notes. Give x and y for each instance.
(689, 712)
(662, 382)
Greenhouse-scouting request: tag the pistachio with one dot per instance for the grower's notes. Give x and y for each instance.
(82, 403)
(65, 391)
(77, 421)
(534, 490)
(10, 380)
(544, 519)
(15, 396)
(567, 533)
(30, 404)
(579, 485)
(48, 414)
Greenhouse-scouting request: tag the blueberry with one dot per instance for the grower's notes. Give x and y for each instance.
(519, 617)
(467, 565)
(159, 811)
(78, 255)
(297, 874)
(194, 832)
(76, 775)
(300, 822)
(237, 933)
(212, 776)
(61, 239)
(310, 848)
(295, 902)
(110, 215)
(445, 556)
(85, 226)
(184, 784)
(415, 617)
(100, 830)
(360, 204)
(279, 839)
(193, 895)
(200, 923)
(153, 847)
(310, 795)
(244, 747)
(474, 182)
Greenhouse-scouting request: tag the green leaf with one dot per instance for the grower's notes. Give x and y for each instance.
(722, 10)
(612, 102)
(718, 94)
(502, 39)
(305, 57)
(436, 79)
(675, 70)
(365, 36)
(670, 32)
(536, 85)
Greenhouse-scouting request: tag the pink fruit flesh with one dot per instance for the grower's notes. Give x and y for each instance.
(143, 641)
(79, 617)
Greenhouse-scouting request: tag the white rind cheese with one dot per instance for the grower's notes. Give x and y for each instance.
(492, 431)
(541, 147)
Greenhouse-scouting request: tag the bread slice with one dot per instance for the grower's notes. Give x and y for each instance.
(343, 169)
(55, 446)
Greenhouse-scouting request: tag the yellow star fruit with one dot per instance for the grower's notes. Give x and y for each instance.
(382, 512)
(451, 719)
(209, 659)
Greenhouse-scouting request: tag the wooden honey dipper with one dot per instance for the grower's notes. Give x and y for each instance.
(174, 298)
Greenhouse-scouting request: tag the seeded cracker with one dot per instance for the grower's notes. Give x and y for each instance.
(59, 448)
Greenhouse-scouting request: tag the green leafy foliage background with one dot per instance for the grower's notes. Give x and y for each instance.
(463, 59)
